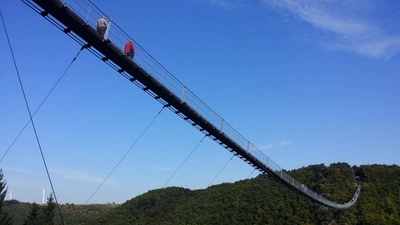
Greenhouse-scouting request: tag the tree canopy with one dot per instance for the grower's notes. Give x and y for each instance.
(4, 217)
(260, 200)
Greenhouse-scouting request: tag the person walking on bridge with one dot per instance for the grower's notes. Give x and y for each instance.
(129, 49)
(101, 26)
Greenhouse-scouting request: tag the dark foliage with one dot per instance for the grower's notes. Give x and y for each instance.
(41, 215)
(259, 201)
(34, 217)
(4, 216)
(264, 201)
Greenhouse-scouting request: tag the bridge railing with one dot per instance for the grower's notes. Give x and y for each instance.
(90, 13)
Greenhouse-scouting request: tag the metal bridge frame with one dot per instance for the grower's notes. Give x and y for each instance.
(67, 20)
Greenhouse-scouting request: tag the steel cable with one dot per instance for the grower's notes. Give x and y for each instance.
(123, 157)
(31, 119)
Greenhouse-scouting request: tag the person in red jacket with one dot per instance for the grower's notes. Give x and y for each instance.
(129, 49)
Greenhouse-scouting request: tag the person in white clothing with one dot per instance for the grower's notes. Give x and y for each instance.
(101, 26)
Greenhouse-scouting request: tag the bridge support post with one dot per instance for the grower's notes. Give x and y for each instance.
(108, 29)
(183, 94)
(87, 15)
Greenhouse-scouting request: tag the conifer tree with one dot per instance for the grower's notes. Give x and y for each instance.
(49, 211)
(42, 215)
(33, 217)
(4, 217)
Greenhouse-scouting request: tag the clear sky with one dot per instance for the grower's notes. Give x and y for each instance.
(308, 82)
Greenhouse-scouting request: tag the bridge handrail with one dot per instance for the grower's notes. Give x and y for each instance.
(91, 13)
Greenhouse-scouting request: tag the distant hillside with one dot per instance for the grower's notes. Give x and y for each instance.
(264, 201)
(72, 214)
(259, 201)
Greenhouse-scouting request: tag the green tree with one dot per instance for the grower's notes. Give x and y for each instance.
(33, 218)
(49, 211)
(42, 216)
(255, 201)
(4, 217)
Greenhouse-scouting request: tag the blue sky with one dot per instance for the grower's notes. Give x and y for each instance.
(307, 82)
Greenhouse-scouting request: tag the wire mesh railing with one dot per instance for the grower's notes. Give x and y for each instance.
(90, 13)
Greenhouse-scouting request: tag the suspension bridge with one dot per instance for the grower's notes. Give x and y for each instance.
(77, 19)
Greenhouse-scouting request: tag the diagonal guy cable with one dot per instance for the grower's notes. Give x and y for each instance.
(251, 173)
(185, 160)
(123, 157)
(221, 170)
(44, 100)
(30, 116)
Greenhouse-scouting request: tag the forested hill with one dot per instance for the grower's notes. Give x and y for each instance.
(264, 201)
(258, 201)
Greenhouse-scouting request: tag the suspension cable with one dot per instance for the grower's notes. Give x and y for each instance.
(221, 170)
(251, 173)
(185, 160)
(123, 157)
(44, 100)
(31, 119)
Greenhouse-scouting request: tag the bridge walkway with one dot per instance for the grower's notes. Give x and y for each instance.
(77, 18)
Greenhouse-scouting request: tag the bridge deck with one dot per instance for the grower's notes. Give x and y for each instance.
(143, 72)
